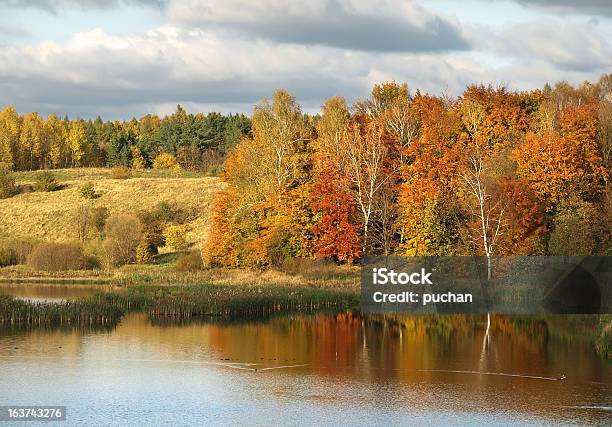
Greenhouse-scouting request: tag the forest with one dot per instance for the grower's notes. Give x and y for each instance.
(492, 172)
(198, 142)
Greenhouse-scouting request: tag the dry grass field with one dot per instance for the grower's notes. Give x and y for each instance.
(49, 215)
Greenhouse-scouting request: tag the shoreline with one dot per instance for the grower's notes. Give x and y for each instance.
(341, 278)
(106, 308)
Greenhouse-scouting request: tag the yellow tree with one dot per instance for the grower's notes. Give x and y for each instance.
(279, 129)
(261, 215)
(31, 139)
(56, 135)
(77, 139)
(9, 135)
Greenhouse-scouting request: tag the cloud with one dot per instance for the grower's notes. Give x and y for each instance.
(54, 6)
(586, 7)
(96, 70)
(8, 30)
(119, 76)
(386, 26)
(569, 47)
(210, 63)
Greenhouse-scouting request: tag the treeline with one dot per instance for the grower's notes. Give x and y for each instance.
(493, 172)
(199, 142)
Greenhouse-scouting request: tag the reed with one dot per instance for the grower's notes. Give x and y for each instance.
(18, 313)
(174, 302)
(232, 301)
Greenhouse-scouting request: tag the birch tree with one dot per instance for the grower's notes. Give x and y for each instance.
(363, 160)
(488, 211)
(279, 131)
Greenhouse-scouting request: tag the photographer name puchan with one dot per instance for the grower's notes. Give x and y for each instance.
(384, 276)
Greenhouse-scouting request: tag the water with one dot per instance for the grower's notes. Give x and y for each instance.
(312, 370)
(42, 292)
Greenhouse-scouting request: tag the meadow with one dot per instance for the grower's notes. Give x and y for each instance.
(50, 215)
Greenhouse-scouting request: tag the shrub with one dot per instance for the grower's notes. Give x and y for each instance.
(81, 221)
(191, 261)
(603, 343)
(57, 257)
(99, 217)
(88, 191)
(45, 181)
(123, 234)
(88, 220)
(576, 229)
(7, 181)
(6, 256)
(176, 237)
(167, 212)
(138, 161)
(152, 228)
(212, 162)
(121, 172)
(145, 252)
(277, 247)
(166, 161)
(13, 252)
(92, 262)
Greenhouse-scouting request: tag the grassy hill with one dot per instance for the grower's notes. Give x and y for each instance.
(49, 215)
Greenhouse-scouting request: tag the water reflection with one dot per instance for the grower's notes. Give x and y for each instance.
(394, 369)
(48, 292)
(397, 369)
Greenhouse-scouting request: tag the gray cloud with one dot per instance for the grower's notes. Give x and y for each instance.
(587, 7)
(226, 55)
(54, 6)
(96, 73)
(385, 26)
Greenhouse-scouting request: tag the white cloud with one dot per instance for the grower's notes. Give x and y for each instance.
(570, 47)
(214, 67)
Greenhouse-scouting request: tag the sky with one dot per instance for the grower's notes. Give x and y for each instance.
(125, 58)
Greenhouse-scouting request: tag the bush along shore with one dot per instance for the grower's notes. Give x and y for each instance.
(173, 302)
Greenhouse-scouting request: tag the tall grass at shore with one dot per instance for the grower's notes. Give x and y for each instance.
(91, 311)
(174, 302)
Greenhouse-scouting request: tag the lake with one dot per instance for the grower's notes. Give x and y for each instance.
(318, 369)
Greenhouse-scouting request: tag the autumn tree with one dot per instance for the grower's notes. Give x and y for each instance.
(265, 173)
(364, 162)
(31, 140)
(55, 135)
(10, 124)
(76, 142)
(485, 206)
(336, 234)
(429, 215)
(7, 181)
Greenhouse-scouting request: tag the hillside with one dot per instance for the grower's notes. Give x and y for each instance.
(49, 215)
